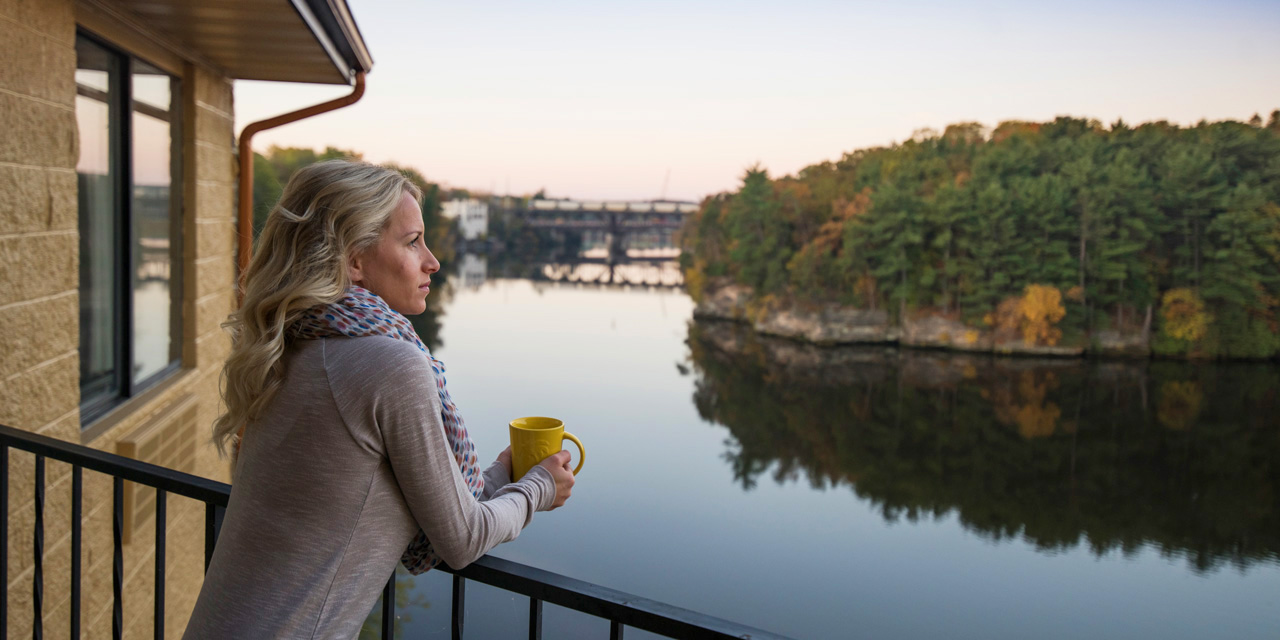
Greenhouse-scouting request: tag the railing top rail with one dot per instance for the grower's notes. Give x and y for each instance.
(176, 482)
(630, 610)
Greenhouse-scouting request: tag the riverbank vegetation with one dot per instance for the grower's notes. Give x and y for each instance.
(1053, 233)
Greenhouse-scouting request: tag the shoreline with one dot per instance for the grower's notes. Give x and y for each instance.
(831, 325)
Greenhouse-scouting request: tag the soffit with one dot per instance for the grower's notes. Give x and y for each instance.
(312, 41)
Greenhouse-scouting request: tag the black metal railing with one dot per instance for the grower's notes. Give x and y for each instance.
(620, 609)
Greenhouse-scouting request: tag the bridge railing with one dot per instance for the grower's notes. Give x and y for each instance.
(620, 609)
(612, 207)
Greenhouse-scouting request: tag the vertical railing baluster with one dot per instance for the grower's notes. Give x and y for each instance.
(212, 527)
(117, 560)
(4, 542)
(160, 531)
(389, 608)
(77, 500)
(459, 605)
(535, 619)
(37, 551)
(615, 630)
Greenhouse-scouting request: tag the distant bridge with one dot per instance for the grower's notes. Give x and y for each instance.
(614, 217)
(617, 219)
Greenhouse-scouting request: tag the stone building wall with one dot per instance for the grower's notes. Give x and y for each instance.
(39, 332)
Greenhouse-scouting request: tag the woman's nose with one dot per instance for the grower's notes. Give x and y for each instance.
(431, 265)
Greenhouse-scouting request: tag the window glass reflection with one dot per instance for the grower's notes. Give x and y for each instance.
(97, 91)
(154, 221)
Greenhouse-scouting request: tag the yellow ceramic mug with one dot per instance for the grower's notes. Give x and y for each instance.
(534, 438)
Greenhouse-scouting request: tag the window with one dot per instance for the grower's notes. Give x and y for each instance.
(130, 225)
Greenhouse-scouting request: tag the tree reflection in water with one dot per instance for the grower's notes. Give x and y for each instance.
(1112, 454)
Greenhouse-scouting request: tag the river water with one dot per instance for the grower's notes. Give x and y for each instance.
(865, 492)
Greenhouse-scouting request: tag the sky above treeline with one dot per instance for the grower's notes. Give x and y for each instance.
(641, 100)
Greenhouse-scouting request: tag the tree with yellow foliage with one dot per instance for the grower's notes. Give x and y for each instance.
(1034, 315)
(1184, 315)
(1041, 309)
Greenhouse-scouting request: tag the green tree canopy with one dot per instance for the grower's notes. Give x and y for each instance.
(957, 222)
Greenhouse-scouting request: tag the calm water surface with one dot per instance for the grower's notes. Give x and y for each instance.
(868, 492)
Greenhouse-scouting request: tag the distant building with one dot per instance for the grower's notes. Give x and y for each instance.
(472, 216)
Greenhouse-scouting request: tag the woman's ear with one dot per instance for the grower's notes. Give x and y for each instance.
(355, 269)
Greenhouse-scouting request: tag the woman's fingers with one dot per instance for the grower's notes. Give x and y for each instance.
(558, 465)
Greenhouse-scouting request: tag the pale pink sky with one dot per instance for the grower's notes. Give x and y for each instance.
(601, 100)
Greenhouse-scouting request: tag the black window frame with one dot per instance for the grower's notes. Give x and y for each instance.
(99, 403)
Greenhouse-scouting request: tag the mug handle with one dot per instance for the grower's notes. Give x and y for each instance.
(582, 452)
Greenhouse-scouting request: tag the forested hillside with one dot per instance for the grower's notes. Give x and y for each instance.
(1053, 231)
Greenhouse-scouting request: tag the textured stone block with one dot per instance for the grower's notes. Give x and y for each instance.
(64, 208)
(37, 199)
(215, 237)
(26, 204)
(213, 90)
(139, 558)
(214, 127)
(214, 275)
(57, 608)
(54, 18)
(212, 311)
(57, 583)
(96, 598)
(23, 58)
(184, 564)
(96, 525)
(57, 523)
(215, 201)
(37, 397)
(37, 133)
(37, 65)
(59, 69)
(66, 427)
(215, 163)
(212, 350)
(19, 604)
(33, 266)
(22, 493)
(33, 332)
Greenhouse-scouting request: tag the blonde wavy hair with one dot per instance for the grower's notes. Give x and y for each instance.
(327, 213)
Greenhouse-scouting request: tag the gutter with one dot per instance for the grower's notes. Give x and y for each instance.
(244, 243)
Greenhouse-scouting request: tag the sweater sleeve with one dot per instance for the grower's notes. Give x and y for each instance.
(406, 409)
(496, 476)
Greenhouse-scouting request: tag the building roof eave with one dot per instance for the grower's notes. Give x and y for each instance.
(312, 41)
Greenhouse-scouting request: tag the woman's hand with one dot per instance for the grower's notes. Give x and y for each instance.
(562, 472)
(505, 459)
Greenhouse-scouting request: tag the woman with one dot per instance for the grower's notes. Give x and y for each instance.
(352, 456)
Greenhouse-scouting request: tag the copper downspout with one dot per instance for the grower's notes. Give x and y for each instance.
(244, 244)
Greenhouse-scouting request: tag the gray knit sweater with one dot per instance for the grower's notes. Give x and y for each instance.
(331, 484)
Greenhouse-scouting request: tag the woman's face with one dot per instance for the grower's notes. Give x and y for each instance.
(398, 268)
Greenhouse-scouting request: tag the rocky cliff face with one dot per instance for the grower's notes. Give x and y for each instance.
(724, 301)
(824, 324)
(828, 324)
(831, 324)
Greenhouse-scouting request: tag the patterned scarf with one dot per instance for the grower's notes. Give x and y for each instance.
(362, 313)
